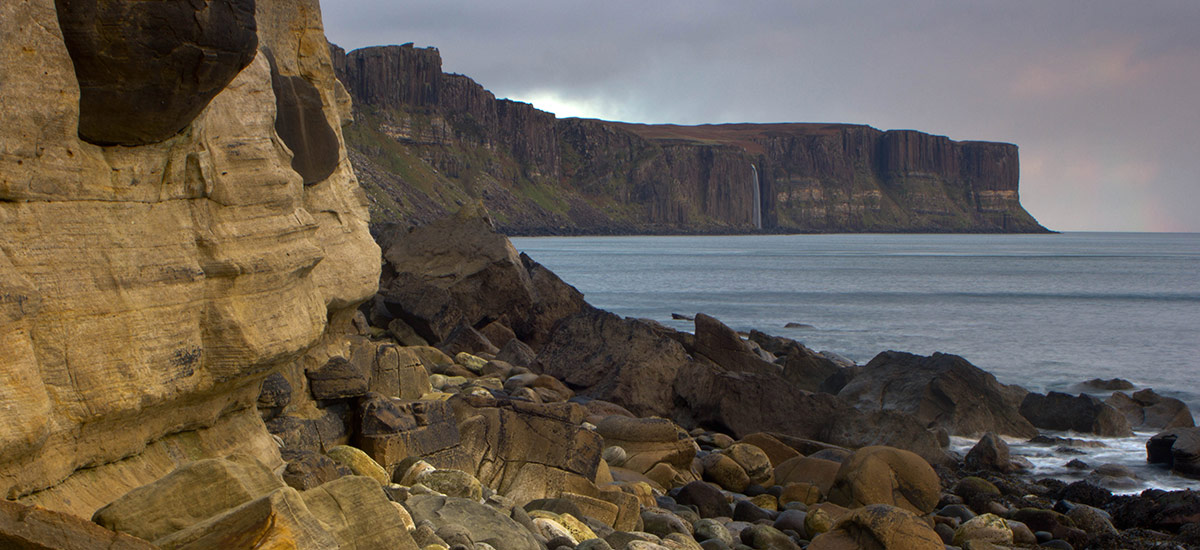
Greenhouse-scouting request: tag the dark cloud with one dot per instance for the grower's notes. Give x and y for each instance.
(1100, 95)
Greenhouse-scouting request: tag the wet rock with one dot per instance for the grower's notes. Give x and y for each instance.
(1111, 384)
(1093, 520)
(886, 475)
(1149, 411)
(1178, 448)
(991, 453)
(300, 122)
(941, 390)
(1081, 413)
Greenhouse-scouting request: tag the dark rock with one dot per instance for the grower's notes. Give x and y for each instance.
(554, 300)
(940, 390)
(1076, 464)
(301, 124)
(707, 498)
(723, 346)
(991, 453)
(336, 379)
(1155, 509)
(518, 353)
(741, 403)
(466, 339)
(625, 361)
(1082, 413)
(957, 511)
(147, 69)
(797, 325)
(274, 396)
(660, 522)
(744, 510)
(682, 317)
(803, 367)
(1057, 544)
(1148, 410)
(976, 491)
(307, 469)
(313, 434)
(1111, 384)
(1087, 493)
(765, 537)
(1179, 449)
(498, 334)
(391, 430)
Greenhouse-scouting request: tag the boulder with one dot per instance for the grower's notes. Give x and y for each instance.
(1147, 410)
(940, 390)
(484, 523)
(803, 367)
(708, 499)
(322, 429)
(886, 475)
(1179, 449)
(307, 469)
(647, 441)
(723, 346)
(280, 519)
(988, 528)
(753, 461)
(373, 522)
(391, 430)
(766, 537)
(742, 403)
(34, 528)
(528, 451)
(187, 496)
(1110, 384)
(454, 483)
(554, 300)
(803, 469)
(991, 453)
(1081, 413)
(625, 361)
(879, 527)
(776, 450)
(465, 339)
(724, 471)
(359, 462)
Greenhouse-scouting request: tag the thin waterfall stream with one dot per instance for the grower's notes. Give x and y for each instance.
(757, 200)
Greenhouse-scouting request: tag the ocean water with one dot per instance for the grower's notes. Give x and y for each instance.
(1042, 311)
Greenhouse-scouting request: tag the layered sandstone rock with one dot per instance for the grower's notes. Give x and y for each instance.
(149, 288)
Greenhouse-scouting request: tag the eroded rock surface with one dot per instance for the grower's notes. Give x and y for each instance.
(151, 286)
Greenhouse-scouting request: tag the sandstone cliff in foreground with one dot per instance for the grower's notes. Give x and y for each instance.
(423, 142)
(178, 219)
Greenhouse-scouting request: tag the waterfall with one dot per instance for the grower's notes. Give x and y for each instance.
(757, 200)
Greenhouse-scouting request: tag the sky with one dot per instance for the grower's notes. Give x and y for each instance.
(1102, 97)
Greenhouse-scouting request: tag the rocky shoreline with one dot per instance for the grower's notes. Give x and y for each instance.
(479, 402)
(204, 348)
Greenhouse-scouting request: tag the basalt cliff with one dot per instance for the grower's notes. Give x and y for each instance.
(424, 141)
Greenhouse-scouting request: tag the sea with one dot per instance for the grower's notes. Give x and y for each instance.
(1046, 311)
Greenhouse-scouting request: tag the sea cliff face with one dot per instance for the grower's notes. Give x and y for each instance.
(424, 141)
(178, 218)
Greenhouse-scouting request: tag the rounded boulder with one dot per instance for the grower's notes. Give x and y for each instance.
(886, 475)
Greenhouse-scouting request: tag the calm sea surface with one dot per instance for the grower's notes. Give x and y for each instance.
(1042, 311)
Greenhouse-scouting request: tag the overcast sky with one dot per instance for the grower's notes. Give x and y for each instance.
(1102, 97)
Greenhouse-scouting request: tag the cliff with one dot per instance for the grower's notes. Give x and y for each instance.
(178, 219)
(424, 141)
